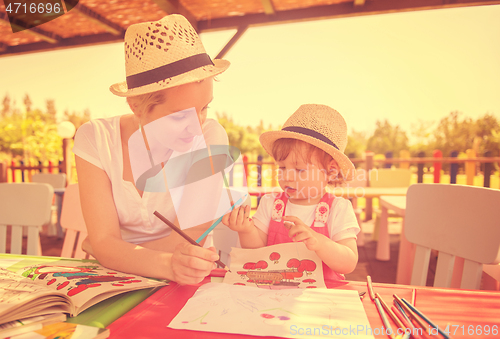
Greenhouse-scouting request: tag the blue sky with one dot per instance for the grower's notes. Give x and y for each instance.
(403, 67)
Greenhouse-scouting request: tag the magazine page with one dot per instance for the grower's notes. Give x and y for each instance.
(20, 298)
(85, 282)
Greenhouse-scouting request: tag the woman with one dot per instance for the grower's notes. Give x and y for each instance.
(169, 79)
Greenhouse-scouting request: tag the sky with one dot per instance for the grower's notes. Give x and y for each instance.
(403, 67)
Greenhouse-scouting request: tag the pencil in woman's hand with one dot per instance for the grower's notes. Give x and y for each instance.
(185, 236)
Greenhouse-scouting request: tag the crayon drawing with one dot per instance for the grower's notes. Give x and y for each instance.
(289, 265)
(75, 279)
(218, 307)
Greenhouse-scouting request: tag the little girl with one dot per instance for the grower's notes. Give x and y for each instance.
(309, 151)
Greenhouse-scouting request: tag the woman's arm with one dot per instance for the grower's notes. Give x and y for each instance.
(187, 264)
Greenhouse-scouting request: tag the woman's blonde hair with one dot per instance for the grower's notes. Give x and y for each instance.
(283, 147)
(144, 103)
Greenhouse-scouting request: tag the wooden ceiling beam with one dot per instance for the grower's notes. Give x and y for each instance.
(344, 9)
(268, 7)
(36, 31)
(231, 42)
(89, 40)
(175, 7)
(97, 19)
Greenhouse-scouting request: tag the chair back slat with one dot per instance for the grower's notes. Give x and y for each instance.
(69, 243)
(72, 220)
(444, 270)
(16, 239)
(3, 238)
(471, 276)
(420, 266)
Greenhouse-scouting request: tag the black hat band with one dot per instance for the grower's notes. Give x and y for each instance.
(168, 71)
(311, 133)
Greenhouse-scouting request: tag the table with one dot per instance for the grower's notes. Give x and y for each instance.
(463, 310)
(458, 308)
(406, 249)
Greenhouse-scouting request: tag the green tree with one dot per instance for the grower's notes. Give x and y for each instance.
(30, 135)
(423, 137)
(387, 138)
(488, 135)
(454, 133)
(77, 118)
(246, 139)
(356, 144)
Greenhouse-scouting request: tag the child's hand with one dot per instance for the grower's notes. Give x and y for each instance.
(301, 232)
(239, 219)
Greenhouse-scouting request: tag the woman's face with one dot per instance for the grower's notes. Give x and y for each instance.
(174, 123)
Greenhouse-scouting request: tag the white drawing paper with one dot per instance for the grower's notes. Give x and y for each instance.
(287, 313)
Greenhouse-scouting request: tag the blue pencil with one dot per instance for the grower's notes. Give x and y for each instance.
(427, 320)
(218, 220)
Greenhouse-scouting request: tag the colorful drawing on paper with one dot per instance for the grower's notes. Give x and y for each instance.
(280, 266)
(218, 307)
(73, 278)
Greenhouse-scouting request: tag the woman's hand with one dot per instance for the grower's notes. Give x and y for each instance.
(301, 232)
(190, 264)
(239, 220)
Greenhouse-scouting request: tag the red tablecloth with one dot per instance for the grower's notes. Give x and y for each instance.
(467, 312)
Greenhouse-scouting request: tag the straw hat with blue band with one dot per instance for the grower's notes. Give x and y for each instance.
(163, 54)
(319, 125)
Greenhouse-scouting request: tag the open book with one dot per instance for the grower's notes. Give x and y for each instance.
(62, 286)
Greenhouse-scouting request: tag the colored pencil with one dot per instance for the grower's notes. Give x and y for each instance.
(405, 320)
(403, 314)
(370, 287)
(413, 296)
(385, 321)
(391, 314)
(410, 313)
(184, 235)
(427, 320)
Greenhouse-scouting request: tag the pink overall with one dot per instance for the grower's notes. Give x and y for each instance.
(278, 234)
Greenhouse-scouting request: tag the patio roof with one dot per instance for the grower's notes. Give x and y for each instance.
(94, 22)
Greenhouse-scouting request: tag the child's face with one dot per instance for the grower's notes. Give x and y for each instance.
(304, 182)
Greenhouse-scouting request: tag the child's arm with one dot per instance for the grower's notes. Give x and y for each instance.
(239, 220)
(340, 256)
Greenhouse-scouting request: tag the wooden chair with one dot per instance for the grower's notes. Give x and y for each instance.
(457, 221)
(56, 180)
(72, 220)
(24, 206)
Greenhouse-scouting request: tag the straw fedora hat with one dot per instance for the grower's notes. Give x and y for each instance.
(320, 126)
(163, 54)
